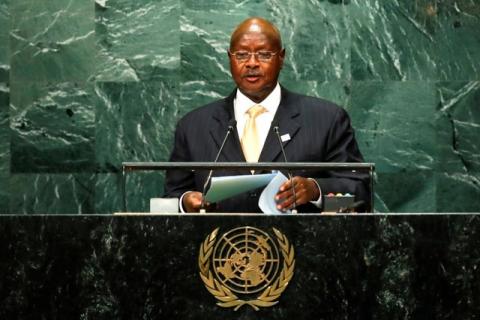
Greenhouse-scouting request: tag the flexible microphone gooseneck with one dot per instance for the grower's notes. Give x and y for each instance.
(275, 129)
(231, 125)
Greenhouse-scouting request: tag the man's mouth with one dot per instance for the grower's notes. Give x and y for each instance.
(252, 77)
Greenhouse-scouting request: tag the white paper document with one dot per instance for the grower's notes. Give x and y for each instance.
(225, 187)
(267, 201)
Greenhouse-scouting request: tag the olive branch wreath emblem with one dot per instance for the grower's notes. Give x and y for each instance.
(225, 297)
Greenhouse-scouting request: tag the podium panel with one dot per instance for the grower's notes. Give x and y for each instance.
(325, 267)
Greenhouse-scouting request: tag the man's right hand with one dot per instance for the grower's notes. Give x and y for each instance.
(192, 201)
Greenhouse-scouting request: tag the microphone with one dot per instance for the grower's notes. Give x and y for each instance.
(231, 124)
(276, 130)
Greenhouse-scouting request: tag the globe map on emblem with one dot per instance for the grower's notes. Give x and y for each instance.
(246, 260)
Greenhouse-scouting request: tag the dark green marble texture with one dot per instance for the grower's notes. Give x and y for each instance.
(135, 121)
(455, 189)
(410, 192)
(52, 128)
(393, 122)
(302, 23)
(415, 40)
(458, 124)
(139, 188)
(47, 193)
(4, 106)
(90, 84)
(4, 41)
(137, 40)
(52, 40)
(140, 267)
(4, 148)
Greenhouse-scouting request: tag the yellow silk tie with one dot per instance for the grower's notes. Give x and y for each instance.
(250, 144)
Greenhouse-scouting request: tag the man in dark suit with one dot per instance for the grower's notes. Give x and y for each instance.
(312, 130)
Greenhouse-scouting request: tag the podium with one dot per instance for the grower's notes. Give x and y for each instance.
(361, 266)
(296, 168)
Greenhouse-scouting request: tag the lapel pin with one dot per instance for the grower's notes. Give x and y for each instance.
(285, 137)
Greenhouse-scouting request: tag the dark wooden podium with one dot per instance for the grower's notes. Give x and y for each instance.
(419, 266)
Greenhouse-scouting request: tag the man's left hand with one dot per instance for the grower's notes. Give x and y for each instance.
(306, 190)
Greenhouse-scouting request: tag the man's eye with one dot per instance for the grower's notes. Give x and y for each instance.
(242, 55)
(264, 55)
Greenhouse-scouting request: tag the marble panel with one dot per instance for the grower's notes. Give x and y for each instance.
(415, 40)
(135, 121)
(457, 39)
(406, 191)
(4, 41)
(52, 127)
(4, 193)
(4, 127)
(108, 193)
(316, 37)
(52, 193)
(4, 147)
(462, 276)
(395, 124)
(458, 126)
(338, 92)
(137, 40)
(52, 40)
(395, 282)
(139, 188)
(458, 192)
(144, 267)
(195, 94)
(391, 40)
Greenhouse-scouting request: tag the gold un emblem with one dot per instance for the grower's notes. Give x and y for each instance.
(245, 267)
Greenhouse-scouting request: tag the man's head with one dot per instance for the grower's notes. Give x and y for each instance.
(256, 75)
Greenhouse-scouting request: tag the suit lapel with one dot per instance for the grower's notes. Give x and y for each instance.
(286, 119)
(222, 116)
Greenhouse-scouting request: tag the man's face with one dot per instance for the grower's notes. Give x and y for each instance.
(255, 78)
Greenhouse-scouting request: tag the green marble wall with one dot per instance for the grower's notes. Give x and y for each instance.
(85, 85)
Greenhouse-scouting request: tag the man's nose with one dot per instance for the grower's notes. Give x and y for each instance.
(252, 61)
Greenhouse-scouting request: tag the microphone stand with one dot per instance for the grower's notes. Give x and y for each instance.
(209, 177)
(294, 210)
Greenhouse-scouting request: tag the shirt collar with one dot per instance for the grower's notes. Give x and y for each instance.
(242, 103)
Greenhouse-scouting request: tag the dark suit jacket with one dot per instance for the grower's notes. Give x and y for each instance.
(320, 131)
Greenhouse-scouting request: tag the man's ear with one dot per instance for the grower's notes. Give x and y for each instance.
(281, 55)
